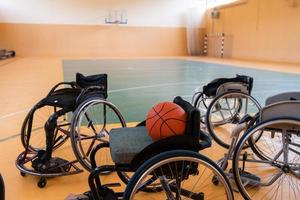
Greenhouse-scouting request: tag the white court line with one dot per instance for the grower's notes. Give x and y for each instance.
(136, 88)
(14, 113)
(186, 96)
(112, 91)
(153, 86)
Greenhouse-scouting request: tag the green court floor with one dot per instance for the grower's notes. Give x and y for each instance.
(136, 85)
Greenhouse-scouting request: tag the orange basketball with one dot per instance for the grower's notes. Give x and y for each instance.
(164, 120)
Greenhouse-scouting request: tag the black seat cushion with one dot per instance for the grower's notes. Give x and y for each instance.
(63, 98)
(126, 143)
(211, 88)
(70, 98)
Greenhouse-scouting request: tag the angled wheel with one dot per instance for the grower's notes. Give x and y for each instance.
(38, 136)
(90, 126)
(202, 102)
(181, 175)
(225, 111)
(271, 170)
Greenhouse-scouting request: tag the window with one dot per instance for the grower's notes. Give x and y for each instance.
(213, 3)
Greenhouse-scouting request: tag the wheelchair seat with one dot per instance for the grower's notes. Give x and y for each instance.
(125, 143)
(70, 98)
(132, 146)
(63, 98)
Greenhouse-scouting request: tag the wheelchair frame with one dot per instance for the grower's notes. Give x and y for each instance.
(272, 121)
(167, 146)
(30, 154)
(227, 97)
(217, 87)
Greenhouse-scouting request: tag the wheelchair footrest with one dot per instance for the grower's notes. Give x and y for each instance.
(54, 165)
(112, 185)
(248, 178)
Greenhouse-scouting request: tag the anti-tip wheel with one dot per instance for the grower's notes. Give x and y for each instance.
(42, 182)
(22, 174)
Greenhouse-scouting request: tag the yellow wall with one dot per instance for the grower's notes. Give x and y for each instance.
(92, 41)
(261, 30)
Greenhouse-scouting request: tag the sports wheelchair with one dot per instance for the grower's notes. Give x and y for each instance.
(169, 168)
(47, 127)
(224, 102)
(4, 54)
(266, 159)
(2, 188)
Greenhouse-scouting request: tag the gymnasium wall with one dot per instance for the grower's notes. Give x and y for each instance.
(77, 27)
(260, 30)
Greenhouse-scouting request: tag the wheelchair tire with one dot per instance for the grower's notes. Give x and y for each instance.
(89, 126)
(231, 108)
(273, 170)
(192, 164)
(38, 135)
(125, 178)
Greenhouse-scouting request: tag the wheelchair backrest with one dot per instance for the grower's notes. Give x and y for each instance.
(92, 80)
(283, 105)
(99, 80)
(287, 96)
(281, 109)
(193, 117)
(232, 87)
(240, 83)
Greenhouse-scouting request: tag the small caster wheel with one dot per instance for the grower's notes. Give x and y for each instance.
(42, 182)
(215, 181)
(22, 174)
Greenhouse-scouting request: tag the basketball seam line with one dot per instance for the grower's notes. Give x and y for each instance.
(164, 122)
(160, 117)
(156, 112)
(154, 116)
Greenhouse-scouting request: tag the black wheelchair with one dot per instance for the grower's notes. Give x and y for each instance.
(224, 102)
(171, 168)
(2, 189)
(47, 127)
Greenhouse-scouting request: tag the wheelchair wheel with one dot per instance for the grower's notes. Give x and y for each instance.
(90, 126)
(272, 169)
(225, 111)
(201, 102)
(182, 175)
(38, 136)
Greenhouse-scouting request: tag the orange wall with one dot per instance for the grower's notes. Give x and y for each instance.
(261, 30)
(92, 40)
